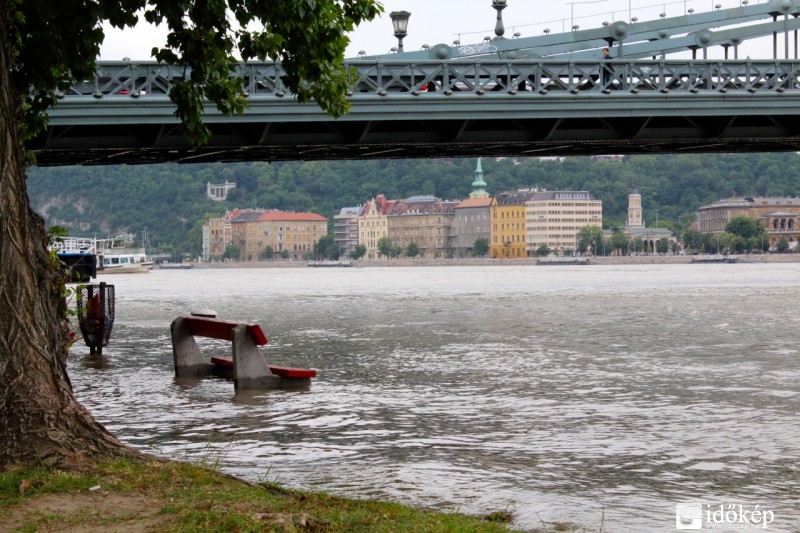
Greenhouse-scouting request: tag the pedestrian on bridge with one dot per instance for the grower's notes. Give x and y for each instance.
(607, 69)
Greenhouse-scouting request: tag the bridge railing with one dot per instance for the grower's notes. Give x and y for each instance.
(418, 78)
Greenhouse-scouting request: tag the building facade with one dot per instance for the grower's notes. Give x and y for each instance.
(425, 221)
(641, 238)
(218, 234)
(635, 217)
(294, 233)
(373, 224)
(783, 225)
(471, 221)
(253, 230)
(345, 229)
(554, 219)
(219, 192)
(779, 215)
(247, 235)
(508, 224)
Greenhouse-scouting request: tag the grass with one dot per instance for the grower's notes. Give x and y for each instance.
(171, 496)
(154, 495)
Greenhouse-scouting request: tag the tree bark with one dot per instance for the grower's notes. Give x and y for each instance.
(40, 419)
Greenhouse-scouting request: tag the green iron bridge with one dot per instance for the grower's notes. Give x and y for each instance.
(537, 96)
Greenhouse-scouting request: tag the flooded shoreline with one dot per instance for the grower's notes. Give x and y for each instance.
(562, 394)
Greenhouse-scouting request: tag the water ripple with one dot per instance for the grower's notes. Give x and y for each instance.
(559, 394)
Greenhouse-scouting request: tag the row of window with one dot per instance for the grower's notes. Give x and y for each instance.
(581, 221)
(510, 227)
(556, 237)
(783, 224)
(371, 223)
(561, 213)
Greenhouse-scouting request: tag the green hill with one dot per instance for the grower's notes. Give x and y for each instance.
(170, 199)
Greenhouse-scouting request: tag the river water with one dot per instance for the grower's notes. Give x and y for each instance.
(581, 394)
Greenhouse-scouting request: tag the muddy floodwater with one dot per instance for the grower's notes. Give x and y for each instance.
(581, 394)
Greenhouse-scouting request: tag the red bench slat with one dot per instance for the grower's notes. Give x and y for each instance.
(221, 329)
(284, 371)
(293, 372)
(227, 362)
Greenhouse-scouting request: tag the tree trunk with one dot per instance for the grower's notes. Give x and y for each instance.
(40, 418)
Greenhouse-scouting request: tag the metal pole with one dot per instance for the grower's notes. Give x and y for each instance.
(774, 39)
(101, 329)
(786, 36)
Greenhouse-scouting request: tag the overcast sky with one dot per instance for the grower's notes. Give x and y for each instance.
(443, 21)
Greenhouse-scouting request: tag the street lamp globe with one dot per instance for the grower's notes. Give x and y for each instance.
(400, 25)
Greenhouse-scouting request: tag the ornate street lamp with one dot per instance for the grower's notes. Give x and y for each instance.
(499, 5)
(400, 25)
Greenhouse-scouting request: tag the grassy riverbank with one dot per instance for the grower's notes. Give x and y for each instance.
(153, 495)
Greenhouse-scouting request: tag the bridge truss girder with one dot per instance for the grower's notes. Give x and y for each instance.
(444, 109)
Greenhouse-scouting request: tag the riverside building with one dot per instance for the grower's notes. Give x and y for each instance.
(508, 224)
(373, 223)
(781, 216)
(471, 220)
(345, 229)
(253, 230)
(554, 219)
(424, 221)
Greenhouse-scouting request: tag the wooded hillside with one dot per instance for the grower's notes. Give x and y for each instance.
(170, 199)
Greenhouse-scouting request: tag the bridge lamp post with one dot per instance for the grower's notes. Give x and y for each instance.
(499, 5)
(400, 25)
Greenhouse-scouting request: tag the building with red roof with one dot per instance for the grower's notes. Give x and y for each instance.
(255, 231)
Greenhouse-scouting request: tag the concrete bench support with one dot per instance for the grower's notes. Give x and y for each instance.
(249, 369)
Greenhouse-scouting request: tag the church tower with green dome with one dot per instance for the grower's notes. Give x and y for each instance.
(479, 186)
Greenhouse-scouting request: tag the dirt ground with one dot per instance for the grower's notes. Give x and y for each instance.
(87, 512)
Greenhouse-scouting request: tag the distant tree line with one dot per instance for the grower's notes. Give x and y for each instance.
(742, 235)
(169, 200)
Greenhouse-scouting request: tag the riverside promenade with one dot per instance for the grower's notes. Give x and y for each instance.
(600, 260)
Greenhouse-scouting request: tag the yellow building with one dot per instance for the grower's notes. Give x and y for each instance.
(248, 236)
(554, 218)
(218, 234)
(373, 224)
(508, 224)
(295, 233)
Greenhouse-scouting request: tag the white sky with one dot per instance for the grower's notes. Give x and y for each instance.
(443, 21)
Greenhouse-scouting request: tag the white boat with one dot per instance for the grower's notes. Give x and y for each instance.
(123, 264)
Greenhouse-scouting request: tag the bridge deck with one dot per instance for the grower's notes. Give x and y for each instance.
(441, 109)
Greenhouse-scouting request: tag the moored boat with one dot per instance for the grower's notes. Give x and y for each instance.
(175, 266)
(123, 263)
(567, 260)
(330, 263)
(78, 257)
